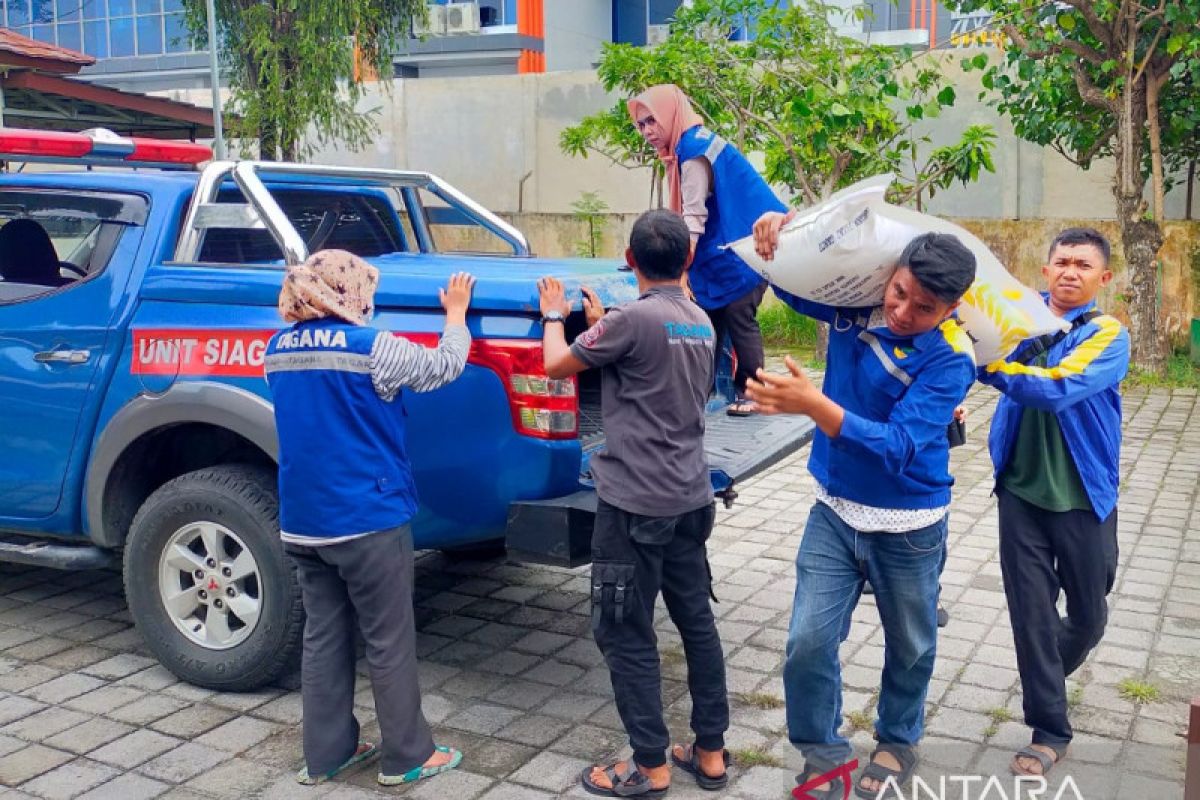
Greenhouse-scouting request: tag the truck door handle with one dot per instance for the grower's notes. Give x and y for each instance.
(62, 356)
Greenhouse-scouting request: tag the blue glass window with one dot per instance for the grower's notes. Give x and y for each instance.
(67, 10)
(43, 12)
(149, 35)
(120, 36)
(68, 36)
(18, 13)
(177, 39)
(95, 38)
(120, 8)
(661, 11)
(44, 33)
(172, 5)
(510, 12)
(149, 6)
(92, 9)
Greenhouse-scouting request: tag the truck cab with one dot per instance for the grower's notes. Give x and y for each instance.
(135, 305)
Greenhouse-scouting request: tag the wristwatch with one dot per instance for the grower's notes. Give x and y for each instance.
(553, 316)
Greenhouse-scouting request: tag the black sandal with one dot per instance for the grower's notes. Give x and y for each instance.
(905, 754)
(691, 763)
(628, 783)
(742, 408)
(1046, 761)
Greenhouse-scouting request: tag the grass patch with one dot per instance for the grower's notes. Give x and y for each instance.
(1137, 691)
(1075, 697)
(764, 700)
(1181, 373)
(991, 730)
(859, 720)
(754, 757)
(999, 715)
(783, 328)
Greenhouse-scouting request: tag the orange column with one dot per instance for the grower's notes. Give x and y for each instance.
(933, 25)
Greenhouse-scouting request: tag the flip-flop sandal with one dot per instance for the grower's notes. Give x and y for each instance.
(417, 773)
(905, 754)
(691, 763)
(630, 782)
(365, 750)
(742, 408)
(1048, 763)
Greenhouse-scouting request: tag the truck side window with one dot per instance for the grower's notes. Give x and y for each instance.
(49, 240)
(364, 224)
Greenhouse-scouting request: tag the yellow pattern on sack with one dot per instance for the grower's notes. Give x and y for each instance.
(1073, 364)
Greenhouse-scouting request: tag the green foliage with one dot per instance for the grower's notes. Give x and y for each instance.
(824, 110)
(784, 329)
(1138, 691)
(747, 757)
(1068, 64)
(763, 700)
(1180, 373)
(590, 209)
(859, 720)
(294, 67)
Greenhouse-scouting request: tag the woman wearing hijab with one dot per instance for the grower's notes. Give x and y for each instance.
(720, 196)
(346, 496)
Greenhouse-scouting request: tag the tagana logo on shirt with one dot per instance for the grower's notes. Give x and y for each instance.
(592, 335)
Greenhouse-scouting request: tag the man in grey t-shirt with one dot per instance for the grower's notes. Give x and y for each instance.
(655, 509)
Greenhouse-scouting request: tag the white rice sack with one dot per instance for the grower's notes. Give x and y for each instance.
(842, 251)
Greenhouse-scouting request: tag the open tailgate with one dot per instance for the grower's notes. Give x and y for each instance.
(558, 530)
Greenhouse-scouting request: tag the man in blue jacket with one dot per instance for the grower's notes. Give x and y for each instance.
(1055, 442)
(881, 461)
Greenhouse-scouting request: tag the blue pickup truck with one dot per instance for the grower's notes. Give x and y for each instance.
(136, 427)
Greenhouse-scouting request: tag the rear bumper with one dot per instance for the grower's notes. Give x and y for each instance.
(557, 530)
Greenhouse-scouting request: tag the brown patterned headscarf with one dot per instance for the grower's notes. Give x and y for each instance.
(331, 283)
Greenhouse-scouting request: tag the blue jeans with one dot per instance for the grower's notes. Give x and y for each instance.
(833, 563)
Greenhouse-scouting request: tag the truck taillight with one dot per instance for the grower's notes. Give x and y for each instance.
(541, 406)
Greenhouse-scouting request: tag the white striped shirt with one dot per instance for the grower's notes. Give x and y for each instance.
(397, 362)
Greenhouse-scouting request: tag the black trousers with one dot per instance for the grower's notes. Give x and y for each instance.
(370, 578)
(1042, 553)
(633, 558)
(739, 319)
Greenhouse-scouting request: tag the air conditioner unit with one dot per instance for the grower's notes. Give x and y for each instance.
(462, 18)
(657, 34)
(434, 24)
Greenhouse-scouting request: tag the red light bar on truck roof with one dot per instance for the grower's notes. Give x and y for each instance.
(101, 147)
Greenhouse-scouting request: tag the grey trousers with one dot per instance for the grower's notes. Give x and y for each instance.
(373, 577)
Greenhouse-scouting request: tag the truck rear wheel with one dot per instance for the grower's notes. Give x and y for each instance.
(207, 580)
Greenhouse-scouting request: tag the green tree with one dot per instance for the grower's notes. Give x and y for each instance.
(299, 66)
(590, 209)
(823, 109)
(1112, 78)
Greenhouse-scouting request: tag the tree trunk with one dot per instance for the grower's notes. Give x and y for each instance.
(268, 142)
(1191, 185)
(1141, 235)
(1153, 86)
(821, 348)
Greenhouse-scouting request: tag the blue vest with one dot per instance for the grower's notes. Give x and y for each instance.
(739, 197)
(343, 469)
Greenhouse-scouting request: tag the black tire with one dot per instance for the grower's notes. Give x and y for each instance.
(242, 499)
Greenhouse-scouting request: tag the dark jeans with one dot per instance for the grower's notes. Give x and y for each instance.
(1042, 553)
(633, 558)
(372, 577)
(739, 319)
(832, 564)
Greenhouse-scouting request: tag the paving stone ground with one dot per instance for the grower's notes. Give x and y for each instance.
(511, 675)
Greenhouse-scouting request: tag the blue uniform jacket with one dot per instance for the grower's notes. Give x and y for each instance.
(739, 197)
(899, 394)
(1080, 385)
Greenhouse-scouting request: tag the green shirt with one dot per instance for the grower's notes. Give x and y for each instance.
(1041, 470)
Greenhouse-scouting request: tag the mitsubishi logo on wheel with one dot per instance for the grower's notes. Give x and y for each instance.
(212, 585)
